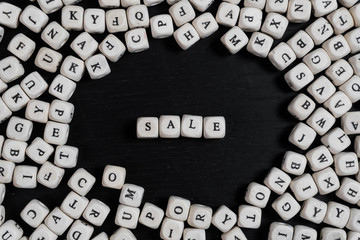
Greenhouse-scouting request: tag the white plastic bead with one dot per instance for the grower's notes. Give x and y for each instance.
(293, 163)
(346, 163)
(299, 76)
(136, 40)
(50, 6)
(260, 44)
(354, 10)
(94, 20)
(161, 26)
(301, 43)
(302, 136)
(42, 232)
(277, 180)
(57, 221)
(234, 233)
(113, 177)
(336, 47)
(303, 187)
(250, 19)
(11, 228)
(55, 35)
(234, 40)
(319, 158)
(257, 195)
(151, 216)
(34, 213)
(39, 151)
(320, 30)
(127, 216)
(317, 60)
(200, 216)
(286, 206)
(25, 177)
(112, 48)
(15, 98)
(61, 111)
(84, 45)
(301, 232)
(182, 12)
(249, 217)
(109, 3)
(34, 85)
(260, 4)
(339, 72)
(321, 121)
(171, 229)
(128, 3)
(284, 230)
(116, 21)
(333, 233)
(147, 127)
(193, 233)
(37, 111)
(62, 87)
(74, 205)
(48, 59)
(299, 11)
(337, 214)
(80, 230)
(350, 123)
(321, 89)
(81, 181)
(227, 14)
(14, 151)
(326, 180)
(50, 175)
(205, 25)
(314, 210)
(6, 171)
(282, 56)
(131, 195)
(72, 18)
(202, 5)
(138, 16)
(338, 104)
(301, 106)
(275, 25)
(169, 126)
(73, 68)
(178, 208)
(10, 69)
(101, 236)
(353, 39)
(322, 8)
(9, 16)
(355, 63)
(353, 223)
(276, 6)
(214, 127)
(97, 66)
(191, 126)
(96, 212)
(122, 233)
(341, 20)
(224, 219)
(186, 36)
(349, 190)
(19, 129)
(33, 18)
(21, 46)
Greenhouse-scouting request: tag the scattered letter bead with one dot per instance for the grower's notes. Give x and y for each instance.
(313, 210)
(276, 6)
(109, 3)
(350, 122)
(346, 163)
(299, 11)
(171, 229)
(131, 195)
(178, 208)
(9, 16)
(234, 40)
(319, 158)
(61, 111)
(15, 98)
(301, 43)
(205, 25)
(257, 195)
(321, 89)
(336, 140)
(58, 222)
(250, 19)
(33, 18)
(136, 40)
(275, 25)
(354, 12)
(94, 20)
(260, 44)
(151, 216)
(25, 177)
(294, 163)
(56, 133)
(317, 60)
(81, 181)
(234, 233)
(55, 35)
(19, 129)
(200, 216)
(320, 30)
(337, 214)
(302, 136)
(298, 77)
(286, 206)
(280, 229)
(84, 45)
(321, 121)
(50, 6)
(37, 111)
(277, 180)
(227, 14)
(341, 20)
(10, 69)
(147, 127)
(7, 170)
(182, 12)
(249, 217)
(73, 68)
(353, 223)
(349, 190)
(34, 213)
(138, 16)
(303, 187)
(72, 18)
(122, 233)
(14, 151)
(322, 8)
(22, 47)
(282, 56)
(113, 177)
(80, 230)
(39, 151)
(116, 21)
(336, 47)
(301, 107)
(11, 228)
(351, 88)
(127, 216)
(48, 60)
(97, 66)
(42, 232)
(202, 5)
(50, 175)
(74, 205)
(186, 36)
(34, 85)
(301, 232)
(161, 26)
(62, 87)
(353, 39)
(326, 180)
(224, 219)
(112, 48)
(96, 212)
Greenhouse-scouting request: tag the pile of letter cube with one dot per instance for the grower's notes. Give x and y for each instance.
(326, 50)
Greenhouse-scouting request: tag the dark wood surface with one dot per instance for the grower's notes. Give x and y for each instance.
(205, 80)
